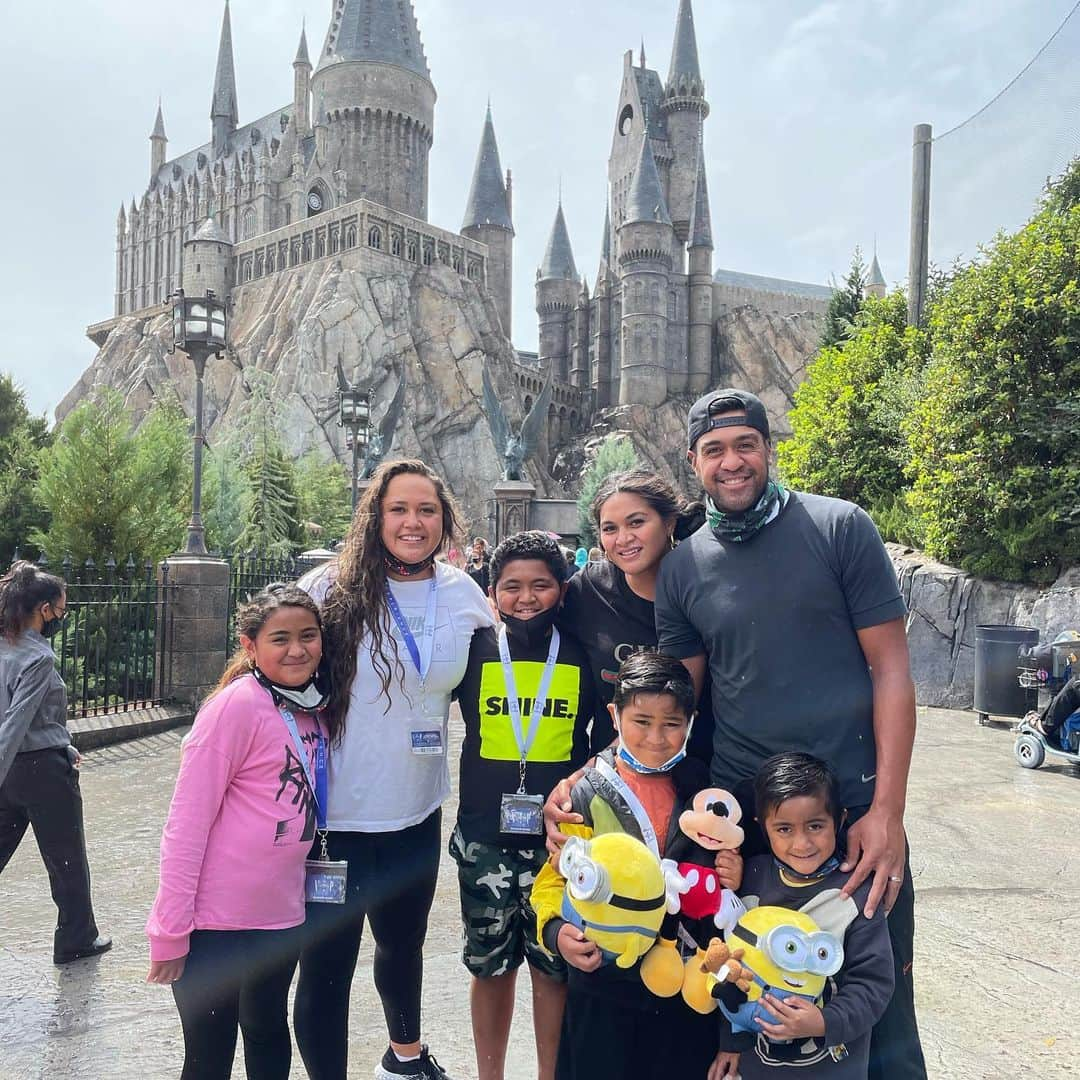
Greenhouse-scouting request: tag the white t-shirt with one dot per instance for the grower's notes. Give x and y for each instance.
(376, 782)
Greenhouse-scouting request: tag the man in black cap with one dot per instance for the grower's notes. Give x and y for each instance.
(791, 603)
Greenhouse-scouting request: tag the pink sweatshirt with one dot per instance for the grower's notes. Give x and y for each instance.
(240, 826)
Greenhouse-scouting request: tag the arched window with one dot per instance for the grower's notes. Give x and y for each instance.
(307, 249)
(333, 240)
(270, 261)
(350, 237)
(374, 238)
(247, 224)
(429, 252)
(410, 250)
(320, 246)
(395, 244)
(457, 262)
(528, 403)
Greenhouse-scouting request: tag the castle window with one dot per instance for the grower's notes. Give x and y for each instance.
(270, 267)
(474, 271)
(626, 120)
(247, 227)
(350, 237)
(429, 252)
(374, 238)
(410, 250)
(307, 249)
(457, 262)
(320, 246)
(395, 244)
(333, 239)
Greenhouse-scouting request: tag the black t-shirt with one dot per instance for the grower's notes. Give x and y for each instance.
(480, 574)
(777, 615)
(611, 621)
(490, 756)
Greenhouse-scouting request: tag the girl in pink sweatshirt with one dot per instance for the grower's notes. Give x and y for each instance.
(225, 925)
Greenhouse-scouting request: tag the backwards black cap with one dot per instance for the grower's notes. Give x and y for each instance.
(726, 408)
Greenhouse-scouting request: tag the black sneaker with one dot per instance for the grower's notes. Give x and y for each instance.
(95, 948)
(425, 1067)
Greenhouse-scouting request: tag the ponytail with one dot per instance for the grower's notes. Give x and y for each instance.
(23, 589)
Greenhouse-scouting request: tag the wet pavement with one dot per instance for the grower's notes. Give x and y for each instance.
(995, 855)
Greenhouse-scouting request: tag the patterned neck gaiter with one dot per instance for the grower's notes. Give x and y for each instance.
(742, 527)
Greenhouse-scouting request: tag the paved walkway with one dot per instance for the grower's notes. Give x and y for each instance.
(995, 853)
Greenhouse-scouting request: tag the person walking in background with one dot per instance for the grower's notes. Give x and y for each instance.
(224, 928)
(398, 629)
(479, 564)
(39, 777)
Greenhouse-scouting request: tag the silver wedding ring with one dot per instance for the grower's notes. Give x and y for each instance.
(898, 880)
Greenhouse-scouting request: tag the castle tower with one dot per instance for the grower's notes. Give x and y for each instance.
(646, 241)
(208, 262)
(875, 281)
(602, 318)
(159, 143)
(685, 108)
(374, 91)
(302, 88)
(557, 288)
(121, 238)
(701, 283)
(488, 220)
(224, 114)
(581, 339)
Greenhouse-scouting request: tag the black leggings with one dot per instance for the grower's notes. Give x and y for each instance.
(237, 977)
(391, 882)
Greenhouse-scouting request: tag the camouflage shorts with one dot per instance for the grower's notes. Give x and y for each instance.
(498, 922)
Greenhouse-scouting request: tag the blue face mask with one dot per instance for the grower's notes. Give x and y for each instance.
(627, 758)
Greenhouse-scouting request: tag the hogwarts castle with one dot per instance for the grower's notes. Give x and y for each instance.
(318, 215)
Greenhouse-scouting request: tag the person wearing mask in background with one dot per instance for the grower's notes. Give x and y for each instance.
(479, 564)
(39, 777)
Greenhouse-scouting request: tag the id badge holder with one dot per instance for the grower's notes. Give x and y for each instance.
(426, 735)
(325, 882)
(522, 814)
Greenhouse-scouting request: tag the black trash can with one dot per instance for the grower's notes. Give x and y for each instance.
(997, 654)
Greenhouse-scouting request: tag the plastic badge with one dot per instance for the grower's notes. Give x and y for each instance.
(325, 882)
(522, 815)
(426, 740)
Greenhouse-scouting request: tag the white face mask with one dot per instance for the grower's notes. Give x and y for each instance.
(638, 766)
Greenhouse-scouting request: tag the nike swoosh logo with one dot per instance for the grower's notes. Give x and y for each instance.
(866, 779)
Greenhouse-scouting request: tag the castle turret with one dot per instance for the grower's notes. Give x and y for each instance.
(646, 241)
(302, 88)
(685, 108)
(159, 143)
(373, 81)
(580, 375)
(701, 283)
(224, 114)
(557, 288)
(488, 220)
(601, 322)
(208, 262)
(875, 280)
(121, 241)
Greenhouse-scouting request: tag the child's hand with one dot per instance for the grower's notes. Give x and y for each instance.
(166, 971)
(576, 949)
(799, 1019)
(725, 1067)
(729, 866)
(557, 811)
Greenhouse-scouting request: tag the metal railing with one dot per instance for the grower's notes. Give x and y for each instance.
(113, 648)
(250, 573)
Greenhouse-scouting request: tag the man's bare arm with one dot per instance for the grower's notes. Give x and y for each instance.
(696, 665)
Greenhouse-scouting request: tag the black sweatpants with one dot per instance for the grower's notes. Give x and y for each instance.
(231, 978)
(41, 790)
(661, 1039)
(1065, 702)
(391, 883)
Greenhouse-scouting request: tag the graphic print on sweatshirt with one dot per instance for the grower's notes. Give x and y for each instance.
(294, 792)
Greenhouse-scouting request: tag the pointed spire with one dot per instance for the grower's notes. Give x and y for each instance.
(643, 54)
(684, 53)
(302, 52)
(645, 201)
(559, 258)
(876, 279)
(224, 102)
(700, 214)
(378, 31)
(605, 242)
(159, 124)
(487, 203)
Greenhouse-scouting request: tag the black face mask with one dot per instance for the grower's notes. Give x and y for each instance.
(51, 627)
(530, 633)
(311, 697)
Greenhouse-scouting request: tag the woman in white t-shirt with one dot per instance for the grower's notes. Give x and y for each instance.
(397, 627)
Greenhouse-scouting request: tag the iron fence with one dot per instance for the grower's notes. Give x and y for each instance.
(113, 648)
(250, 573)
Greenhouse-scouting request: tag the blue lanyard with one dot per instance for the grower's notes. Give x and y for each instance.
(421, 660)
(318, 786)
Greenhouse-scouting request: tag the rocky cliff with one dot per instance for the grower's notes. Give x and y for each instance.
(381, 318)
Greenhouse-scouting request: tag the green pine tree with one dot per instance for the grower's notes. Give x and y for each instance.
(22, 437)
(325, 495)
(845, 305)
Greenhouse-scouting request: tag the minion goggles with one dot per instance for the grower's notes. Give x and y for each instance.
(790, 949)
(588, 882)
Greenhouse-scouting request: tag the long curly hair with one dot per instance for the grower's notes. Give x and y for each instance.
(355, 603)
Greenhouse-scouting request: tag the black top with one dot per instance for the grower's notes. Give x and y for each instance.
(480, 574)
(490, 756)
(611, 621)
(778, 617)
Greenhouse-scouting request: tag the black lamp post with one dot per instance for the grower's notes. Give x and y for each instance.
(354, 415)
(200, 324)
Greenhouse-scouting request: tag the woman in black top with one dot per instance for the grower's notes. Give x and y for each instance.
(609, 605)
(479, 565)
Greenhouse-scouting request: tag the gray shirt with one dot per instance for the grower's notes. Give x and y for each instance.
(33, 699)
(777, 617)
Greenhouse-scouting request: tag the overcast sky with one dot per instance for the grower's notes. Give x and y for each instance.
(808, 143)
